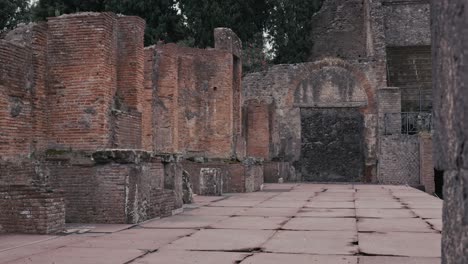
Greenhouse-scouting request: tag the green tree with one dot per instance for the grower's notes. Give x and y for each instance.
(13, 12)
(247, 18)
(163, 22)
(289, 27)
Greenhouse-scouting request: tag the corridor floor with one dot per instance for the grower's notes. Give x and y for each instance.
(286, 223)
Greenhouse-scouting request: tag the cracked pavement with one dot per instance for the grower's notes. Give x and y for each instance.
(295, 223)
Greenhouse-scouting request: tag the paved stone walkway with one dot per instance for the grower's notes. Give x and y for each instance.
(287, 223)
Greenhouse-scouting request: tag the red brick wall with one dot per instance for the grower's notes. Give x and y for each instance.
(82, 56)
(30, 210)
(125, 187)
(258, 130)
(130, 61)
(16, 133)
(426, 163)
(166, 94)
(127, 130)
(195, 101)
(148, 99)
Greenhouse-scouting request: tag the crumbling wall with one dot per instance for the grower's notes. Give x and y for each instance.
(235, 177)
(329, 83)
(339, 31)
(450, 46)
(407, 23)
(259, 115)
(114, 186)
(399, 160)
(27, 209)
(195, 102)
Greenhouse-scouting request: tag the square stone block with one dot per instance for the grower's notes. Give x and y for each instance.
(321, 224)
(83, 256)
(398, 260)
(331, 205)
(214, 211)
(184, 221)
(429, 213)
(251, 222)
(313, 242)
(223, 239)
(268, 211)
(393, 225)
(322, 212)
(273, 258)
(142, 239)
(360, 204)
(401, 244)
(185, 257)
(384, 213)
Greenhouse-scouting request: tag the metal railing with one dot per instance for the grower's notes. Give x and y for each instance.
(407, 123)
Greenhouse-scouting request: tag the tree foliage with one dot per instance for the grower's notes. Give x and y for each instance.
(286, 23)
(13, 12)
(163, 23)
(289, 27)
(247, 18)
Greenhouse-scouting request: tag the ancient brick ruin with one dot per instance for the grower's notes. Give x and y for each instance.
(343, 116)
(96, 128)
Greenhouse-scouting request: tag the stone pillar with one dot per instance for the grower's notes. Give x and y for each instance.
(450, 86)
(389, 103)
(426, 164)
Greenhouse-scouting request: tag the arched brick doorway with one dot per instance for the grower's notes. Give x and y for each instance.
(332, 99)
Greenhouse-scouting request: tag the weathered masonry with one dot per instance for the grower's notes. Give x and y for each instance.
(356, 110)
(96, 128)
(450, 24)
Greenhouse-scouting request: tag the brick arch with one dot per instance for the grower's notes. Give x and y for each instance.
(335, 62)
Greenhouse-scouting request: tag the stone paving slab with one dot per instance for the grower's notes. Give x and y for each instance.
(214, 211)
(8, 241)
(235, 203)
(283, 204)
(401, 244)
(331, 205)
(82, 256)
(378, 205)
(328, 198)
(384, 213)
(398, 260)
(321, 224)
(191, 257)
(429, 213)
(268, 211)
(313, 242)
(273, 258)
(184, 221)
(251, 222)
(322, 212)
(423, 205)
(393, 225)
(231, 229)
(223, 240)
(99, 228)
(142, 239)
(435, 223)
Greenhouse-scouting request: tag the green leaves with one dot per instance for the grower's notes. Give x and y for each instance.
(287, 23)
(13, 12)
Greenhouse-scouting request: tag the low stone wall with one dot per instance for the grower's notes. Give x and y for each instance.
(274, 171)
(27, 209)
(399, 160)
(115, 186)
(217, 177)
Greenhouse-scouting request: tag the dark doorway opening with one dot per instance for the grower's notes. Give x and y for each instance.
(439, 183)
(332, 144)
